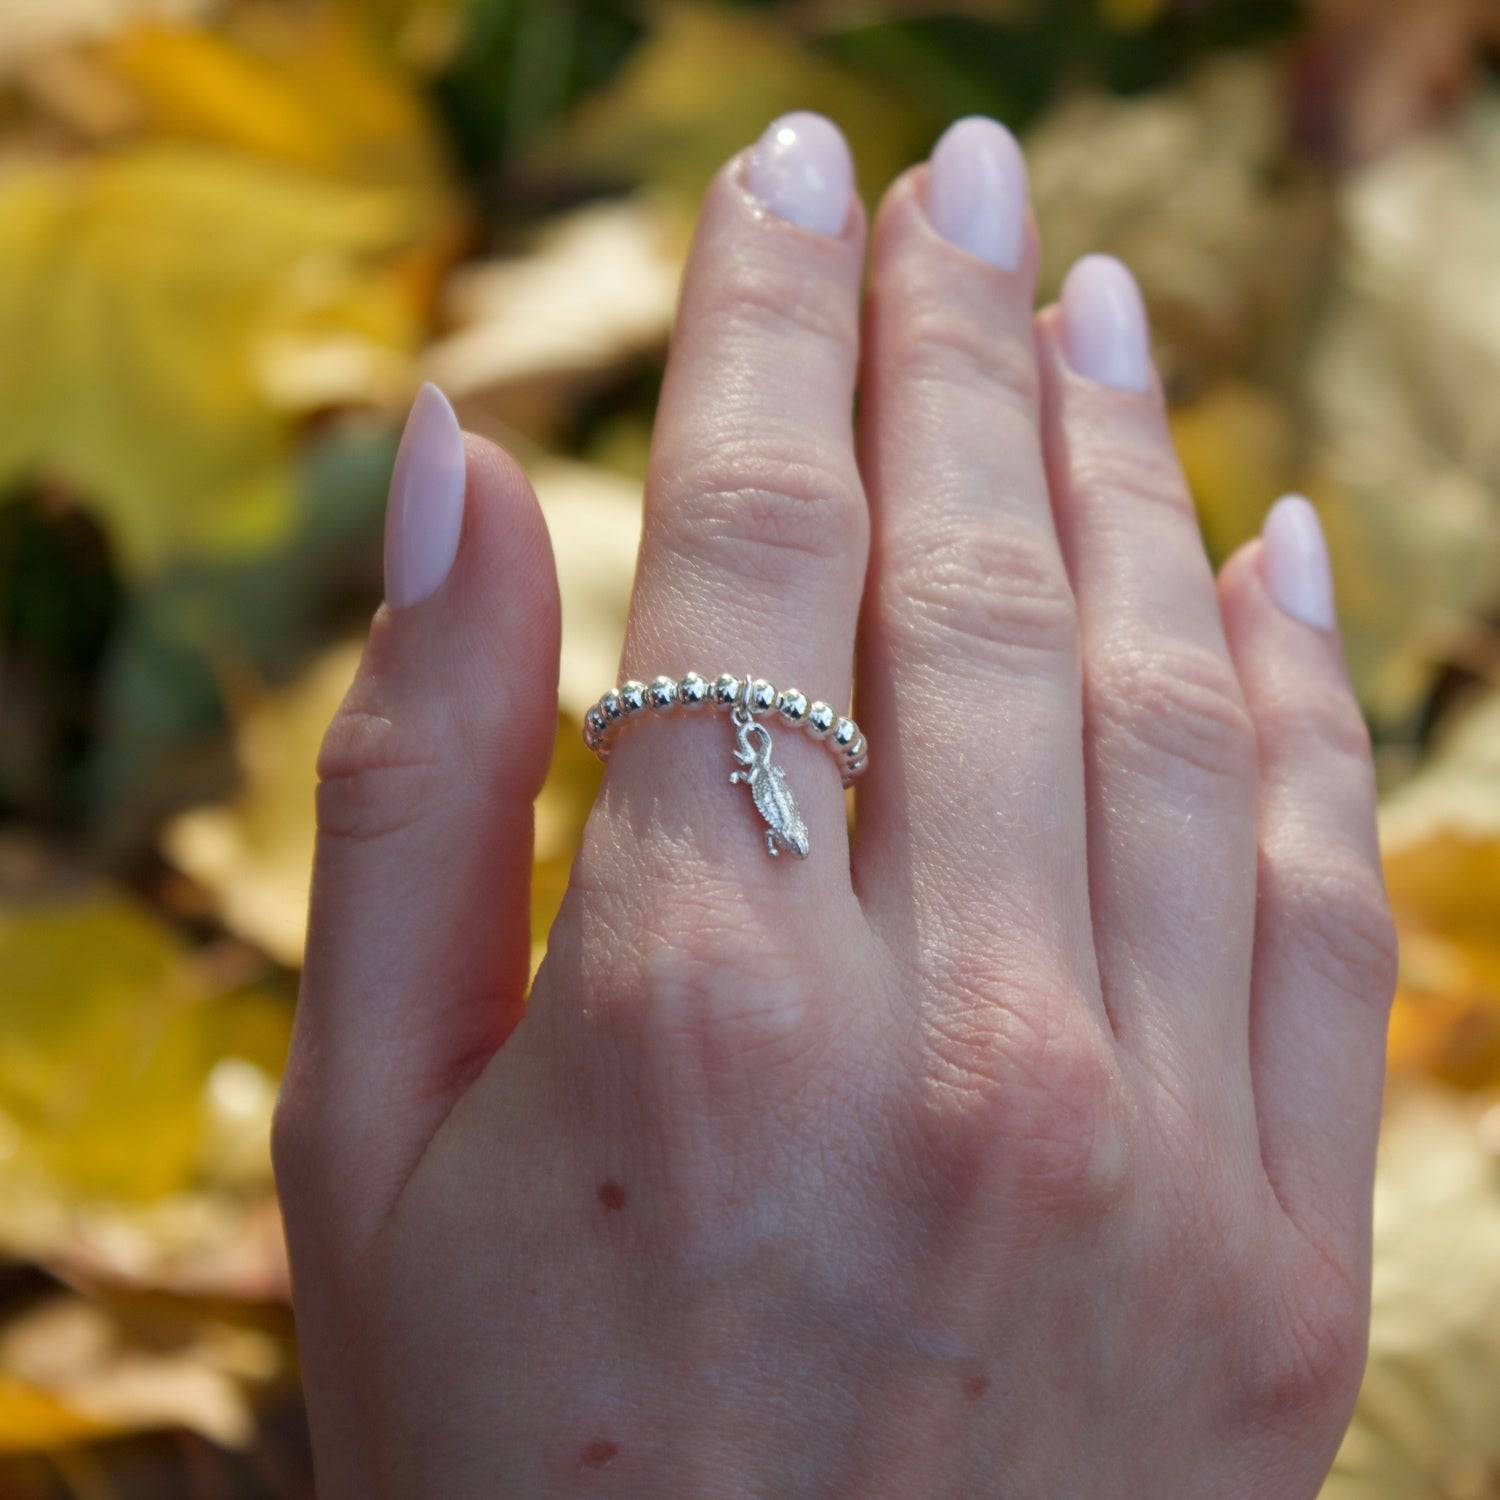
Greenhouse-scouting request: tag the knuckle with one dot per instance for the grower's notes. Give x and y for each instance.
(763, 509)
(1124, 477)
(980, 589)
(777, 304)
(1309, 1369)
(699, 996)
(934, 343)
(376, 776)
(1328, 724)
(1175, 700)
(1017, 1094)
(1343, 919)
(294, 1146)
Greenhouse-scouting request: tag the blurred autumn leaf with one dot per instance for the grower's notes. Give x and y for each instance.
(1425, 1426)
(703, 86)
(1441, 836)
(71, 1369)
(530, 335)
(1406, 451)
(255, 854)
(269, 244)
(33, 26)
(233, 237)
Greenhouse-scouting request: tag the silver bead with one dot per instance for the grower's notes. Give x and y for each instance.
(845, 732)
(855, 768)
(792, 706)
(595, 721)
(591, 736)
(610, 707)
(726, 691)
(632, 697)
(662, 695)
(760, 696)
(820, 719)
(692, 691)
(856, 750)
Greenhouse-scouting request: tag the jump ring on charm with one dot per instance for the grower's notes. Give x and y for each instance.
(753, 697)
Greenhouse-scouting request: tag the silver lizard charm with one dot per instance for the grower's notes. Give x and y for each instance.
(768, 786)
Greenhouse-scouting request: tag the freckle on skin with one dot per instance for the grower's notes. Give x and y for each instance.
(612, 1196)
(975, 1386)
(599, 1452)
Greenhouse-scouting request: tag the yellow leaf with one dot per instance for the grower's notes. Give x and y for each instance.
(303, 88)
(594, 517)
(1441, 839)
(254, 853)
(1424, 1427)
(1235, 441)
(170, 307)
(135, 1097)
(561, 811)
(420, 34)
(100, 1074)
(706, 83)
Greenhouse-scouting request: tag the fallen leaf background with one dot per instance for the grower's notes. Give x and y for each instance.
(235, 235)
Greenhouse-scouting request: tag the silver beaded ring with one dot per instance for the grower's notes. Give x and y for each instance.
(747, 700)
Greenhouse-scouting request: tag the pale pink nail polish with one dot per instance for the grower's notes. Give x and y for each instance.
(802, 171)
(425, 512)
(1295, 561)
(1104, 330)
(976, 191)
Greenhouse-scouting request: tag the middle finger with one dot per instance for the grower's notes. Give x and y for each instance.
(971, 827)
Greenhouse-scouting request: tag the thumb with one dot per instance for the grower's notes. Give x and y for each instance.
(419, 935)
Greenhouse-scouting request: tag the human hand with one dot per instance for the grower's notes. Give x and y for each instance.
(1022, 1146)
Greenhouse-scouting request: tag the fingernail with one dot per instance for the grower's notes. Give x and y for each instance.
(976, 191)
(425, 511)
(801, 170)
(1104, 324)
(1296, 562)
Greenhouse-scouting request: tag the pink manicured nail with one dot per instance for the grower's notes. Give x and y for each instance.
(976, 191)
(1296, 562)
(801, 170)
(1104, 324)
(425, 511)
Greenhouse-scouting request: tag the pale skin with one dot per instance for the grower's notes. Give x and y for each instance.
(1020, 1145)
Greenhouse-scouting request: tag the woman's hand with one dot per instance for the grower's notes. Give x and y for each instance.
(1022, 1147)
